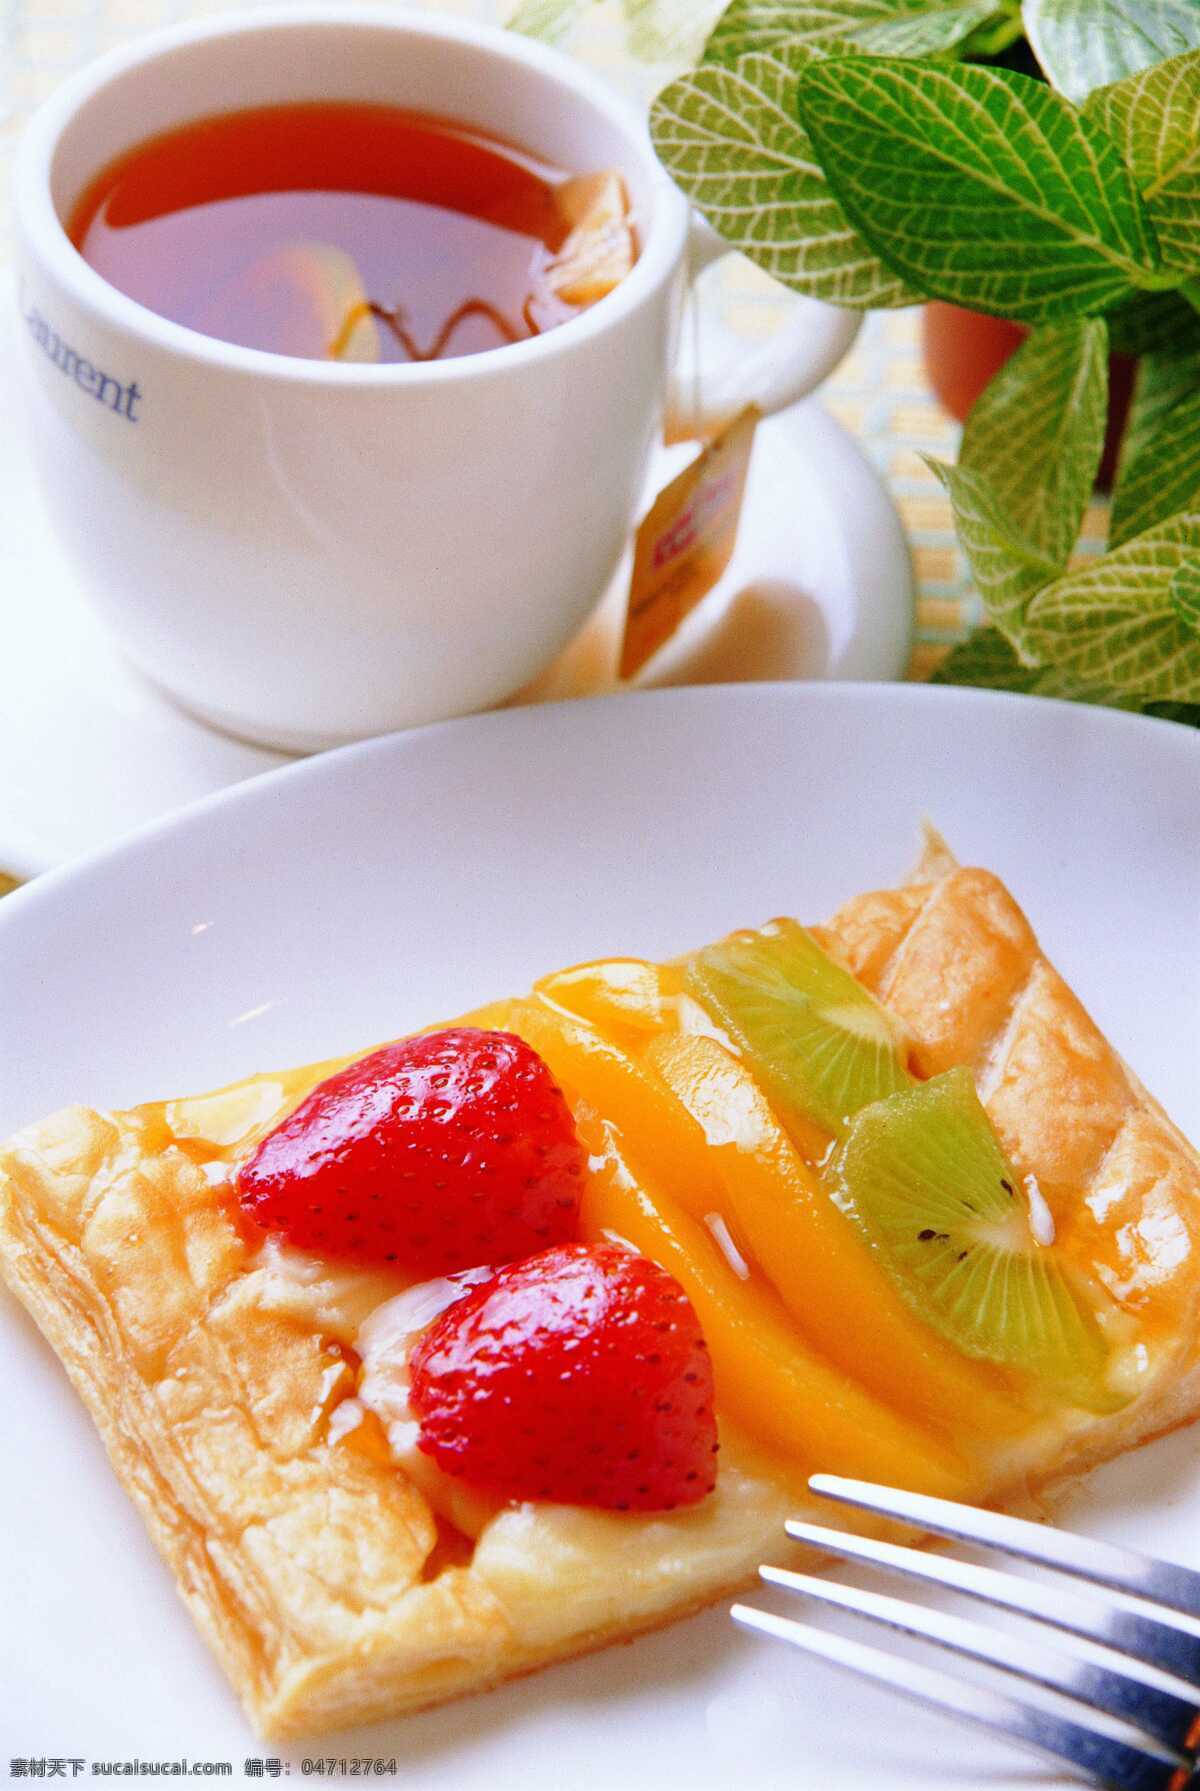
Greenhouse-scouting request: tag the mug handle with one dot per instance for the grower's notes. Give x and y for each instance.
(795, 361)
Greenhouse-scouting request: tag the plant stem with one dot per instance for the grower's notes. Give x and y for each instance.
(990, 41)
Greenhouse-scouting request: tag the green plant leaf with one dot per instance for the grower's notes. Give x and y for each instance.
(886, 27)
(1187, 713)
(1154, 120)
(927, 30)
(732, 139)
(1153, 322)
(993, 38)
(1083, 44)
(1164, 379)
(655, 30)
(549, 20)
(1165, 382)
(987, 660)
(668, 30)
(1037, 432)
(1009, 571)
(1160, 470)
(978, 185)
(1184, 593)
(1113, 622)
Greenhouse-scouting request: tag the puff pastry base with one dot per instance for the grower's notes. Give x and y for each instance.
(324, 1581)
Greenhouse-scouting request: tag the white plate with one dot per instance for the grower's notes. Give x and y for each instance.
(354, 895)
(819, 587)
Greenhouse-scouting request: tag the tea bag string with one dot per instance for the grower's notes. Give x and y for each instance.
(691, 325)
(394, 320)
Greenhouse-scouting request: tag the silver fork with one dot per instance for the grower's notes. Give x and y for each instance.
(1160, 1756)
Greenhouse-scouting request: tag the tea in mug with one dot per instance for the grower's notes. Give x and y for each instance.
(352, 232)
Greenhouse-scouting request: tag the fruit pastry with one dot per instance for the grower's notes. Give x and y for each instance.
(521, 1335)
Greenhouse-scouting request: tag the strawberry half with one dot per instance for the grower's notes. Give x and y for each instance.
(580, 1375)
(440, 1152)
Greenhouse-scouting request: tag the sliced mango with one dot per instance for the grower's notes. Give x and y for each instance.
(770, 1381)
(628, 999)
(587, 1064)
(837, 1295)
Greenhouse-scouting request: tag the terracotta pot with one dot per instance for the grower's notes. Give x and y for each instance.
(964, 350)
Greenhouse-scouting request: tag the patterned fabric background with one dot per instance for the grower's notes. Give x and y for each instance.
(880, 393)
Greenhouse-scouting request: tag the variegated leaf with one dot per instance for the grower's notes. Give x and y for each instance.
(887, 27)
(1114, 621)
(669, 30)
(987, 660)
(978, 185)
(549, 20)
(1185, 593)
(1164, 379)
(1008, 571)
(1160, 462)
(1154, 119)
(732, 139)
(1153, 323)
(1038, 430)
(1083, 44)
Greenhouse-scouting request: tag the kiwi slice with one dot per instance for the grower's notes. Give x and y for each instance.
(923, 1175)
(819, 1043)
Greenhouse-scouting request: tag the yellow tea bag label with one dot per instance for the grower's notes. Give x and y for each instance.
(686, 541)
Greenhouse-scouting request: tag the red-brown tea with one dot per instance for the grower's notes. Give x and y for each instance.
(346, 231)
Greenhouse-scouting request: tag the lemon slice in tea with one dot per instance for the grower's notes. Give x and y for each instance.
(600, 249)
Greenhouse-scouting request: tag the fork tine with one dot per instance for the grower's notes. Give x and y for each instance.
(1163, 1582)
(1158, 1713)
(1115, 1763)
(1142, 1638)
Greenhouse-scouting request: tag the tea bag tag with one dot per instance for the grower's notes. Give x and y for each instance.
(686, 540)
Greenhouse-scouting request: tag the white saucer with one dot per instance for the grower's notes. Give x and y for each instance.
(819, 587)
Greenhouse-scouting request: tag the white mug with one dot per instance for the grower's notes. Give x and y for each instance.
(305, 552)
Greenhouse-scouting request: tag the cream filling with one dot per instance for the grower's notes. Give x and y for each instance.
(621, 1567)
(697, 1022)
(336, 1299)
(384, 1344)
(617, 1568)
(1041, 1219)
(377, 1313)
